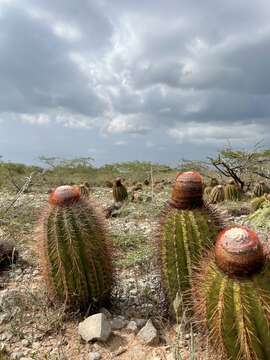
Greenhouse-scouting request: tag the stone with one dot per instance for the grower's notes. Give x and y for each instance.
(140, 322)
(132, 327)
(16, 355)
(94, 356)
(148, 334)
(95, 327)
(118, 323)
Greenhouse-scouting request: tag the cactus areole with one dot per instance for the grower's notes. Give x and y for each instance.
(187, 192)
(64, 195)
(238, 251)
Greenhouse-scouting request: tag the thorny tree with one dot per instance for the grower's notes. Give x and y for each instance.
(243, 165)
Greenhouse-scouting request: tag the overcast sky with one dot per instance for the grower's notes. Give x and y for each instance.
(124, 80)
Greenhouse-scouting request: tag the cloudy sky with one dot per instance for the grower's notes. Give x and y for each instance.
(123, 80)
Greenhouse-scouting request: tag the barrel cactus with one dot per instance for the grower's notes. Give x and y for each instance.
(232, 192)
(258, 202)
(84, 190)
(207, 191)
(76, 251)
(232, 294)
(217, 194)
(260, 189)
(187, 229)
(119, 191)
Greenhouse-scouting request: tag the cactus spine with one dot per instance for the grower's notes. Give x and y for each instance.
(232, 296)
(76, 251)
(187, 229)
(217, 194)
(260, 189)
(119, 191)
(232, 191)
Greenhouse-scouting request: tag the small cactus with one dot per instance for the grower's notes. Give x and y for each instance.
(75, 250)
(231, 191)
(232, 294)
(187, 229)
(119, 191)
(260, 189)
(217, 194)
(84, 190)
(207, 191)
(258, 202)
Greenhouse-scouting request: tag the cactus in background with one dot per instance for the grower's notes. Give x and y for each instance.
(187, 229)
(84, 190)
(260, 219)
(207, 191)
(232, 296)
(76, 254)
(213, 182)
(258, 202)
(119, 191)
(260, 189)
(232, 191)
(217, 194)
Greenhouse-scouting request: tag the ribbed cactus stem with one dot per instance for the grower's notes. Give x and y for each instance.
(260, 189)
(76, 251)
(217, 194)
(232, 296)
(119, 191)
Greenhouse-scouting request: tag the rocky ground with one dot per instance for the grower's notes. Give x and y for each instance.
(135, 326)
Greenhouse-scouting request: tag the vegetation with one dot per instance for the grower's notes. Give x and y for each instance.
(76, 251)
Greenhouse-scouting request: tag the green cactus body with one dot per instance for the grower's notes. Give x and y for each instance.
(260, 219)
(119, 191)
(207, 191)
(184, 236)
(237, 313)
(260, 189)
(258, 202)
(84, 191)
(217, 194)
(76, 254)
(232, 192)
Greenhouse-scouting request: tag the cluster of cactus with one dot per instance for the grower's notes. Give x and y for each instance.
(232, 295)
(260, 189)
(76, 251)
(119, 191)
(187, 229)
(232, 191)
(217, 194)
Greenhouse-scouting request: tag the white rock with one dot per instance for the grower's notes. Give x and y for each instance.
(132, 327)
(148, 334)
(94, 356)
(95, 327)
(118, 323)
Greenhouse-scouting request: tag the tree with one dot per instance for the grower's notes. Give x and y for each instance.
(243, 165)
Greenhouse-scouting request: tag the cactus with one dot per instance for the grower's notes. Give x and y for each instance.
(231, 191)
(217, 194)
(84, 190)
(207, 191)
(213, 182)
(187, 229)
(258, 202)
(76, 251)
(260, 189)
(232, 294)
(119, 191)
(260, 219)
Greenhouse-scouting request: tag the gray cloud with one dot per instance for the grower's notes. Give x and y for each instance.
(184, 74)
